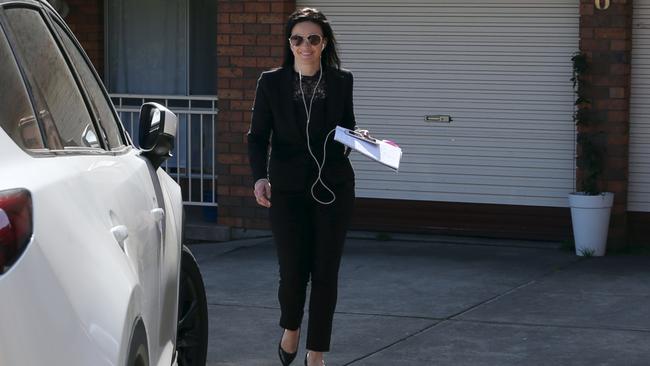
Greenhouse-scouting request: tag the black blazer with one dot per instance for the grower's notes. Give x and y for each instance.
(290, 166)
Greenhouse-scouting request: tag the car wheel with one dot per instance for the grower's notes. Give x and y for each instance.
(192, 333)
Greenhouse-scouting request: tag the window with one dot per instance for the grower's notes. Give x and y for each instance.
(97, 96)
(16, 114)
(56, 94)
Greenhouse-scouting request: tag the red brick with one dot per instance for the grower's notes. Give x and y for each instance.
(277, 7)
(270, 62)
(239, 191)
(256, 29)
(610, 33)
(243, 18)
(232, 159)
(619, 69)
(594, 45)
(223, 18)
(240, 126)
(617, 116)
(230, 28)
(240, 170)
(223, 83)
(270, 40)
(276, 51)
(587, 9)
(277, 29)
(612, 104)
(229, 72)
(608, 81)
(244, 61)
(239, 148)
(257, 51)
(241, 105)
(257, 7)
(620, 45)
(230, 7)
(243, 40)
(223, 61)
(272, 19)
(239, 84)
(230, 94)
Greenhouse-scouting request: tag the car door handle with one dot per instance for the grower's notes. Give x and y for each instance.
(158, 214)
(120, 232)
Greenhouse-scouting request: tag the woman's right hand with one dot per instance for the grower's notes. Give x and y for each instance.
(262, 192)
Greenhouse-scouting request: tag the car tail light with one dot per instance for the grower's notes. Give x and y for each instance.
(15, 225)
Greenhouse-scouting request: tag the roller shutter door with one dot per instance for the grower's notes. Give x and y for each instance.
(639, 172)
(500, 69)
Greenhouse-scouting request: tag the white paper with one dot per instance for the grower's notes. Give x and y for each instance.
(381, 151)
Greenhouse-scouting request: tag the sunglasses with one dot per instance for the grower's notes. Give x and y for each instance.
(313, 39)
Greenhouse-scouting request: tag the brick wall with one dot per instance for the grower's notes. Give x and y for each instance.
(606, 39)
(86, 19)
(250, 40)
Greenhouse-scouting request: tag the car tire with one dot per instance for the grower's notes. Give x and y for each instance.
(138, 349)
(192, 331)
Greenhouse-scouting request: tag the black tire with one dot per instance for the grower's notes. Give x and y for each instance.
(138, 349)
(192, 333)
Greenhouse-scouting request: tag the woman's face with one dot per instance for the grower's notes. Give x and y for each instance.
(303, 37)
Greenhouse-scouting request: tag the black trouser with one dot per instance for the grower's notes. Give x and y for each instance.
(309, 239)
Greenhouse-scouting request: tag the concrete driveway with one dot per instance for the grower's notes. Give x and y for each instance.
(440, 301)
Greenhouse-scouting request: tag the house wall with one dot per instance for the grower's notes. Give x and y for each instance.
(86, 20)
(606, 39)
(250, 40)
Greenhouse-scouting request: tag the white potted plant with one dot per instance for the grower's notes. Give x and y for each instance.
(590, 208)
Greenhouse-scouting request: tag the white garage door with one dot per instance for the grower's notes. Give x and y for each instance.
(501, 69)
(639, 173)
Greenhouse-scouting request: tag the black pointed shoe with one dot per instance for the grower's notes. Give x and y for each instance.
(285, 357)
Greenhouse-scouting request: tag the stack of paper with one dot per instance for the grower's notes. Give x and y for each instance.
(382, 151)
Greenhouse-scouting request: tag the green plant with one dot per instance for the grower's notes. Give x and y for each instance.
(591, 141)
(587, 252)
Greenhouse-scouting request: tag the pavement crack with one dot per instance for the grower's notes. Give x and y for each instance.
(451, 318)
(391, 344)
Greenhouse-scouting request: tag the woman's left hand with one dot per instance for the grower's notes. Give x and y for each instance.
(262, 192)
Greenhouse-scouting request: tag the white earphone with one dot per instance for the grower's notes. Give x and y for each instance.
(318, 164)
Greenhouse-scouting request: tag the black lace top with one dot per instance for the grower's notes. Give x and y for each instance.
(308, 84)
(317, 131)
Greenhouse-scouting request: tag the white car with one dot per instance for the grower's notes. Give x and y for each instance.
(92, 266)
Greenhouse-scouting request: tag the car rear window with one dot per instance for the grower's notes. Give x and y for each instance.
(16, 113)
(52, 80)
(107, 119)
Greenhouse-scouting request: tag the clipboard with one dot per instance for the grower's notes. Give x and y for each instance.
(382, 151)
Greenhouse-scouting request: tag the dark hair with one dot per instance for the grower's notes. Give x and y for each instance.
(329, 56)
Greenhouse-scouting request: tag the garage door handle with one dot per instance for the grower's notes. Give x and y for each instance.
(158, 214)
(120, 232)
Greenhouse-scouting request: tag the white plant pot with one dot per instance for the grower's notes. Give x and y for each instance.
(590, 217)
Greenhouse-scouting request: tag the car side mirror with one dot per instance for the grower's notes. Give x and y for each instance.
(157, 132)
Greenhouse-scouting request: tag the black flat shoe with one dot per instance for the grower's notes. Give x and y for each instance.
(285, 357)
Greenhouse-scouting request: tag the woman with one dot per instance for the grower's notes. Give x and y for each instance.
(297, 108)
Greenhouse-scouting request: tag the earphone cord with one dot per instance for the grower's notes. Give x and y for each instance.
(318, 164)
